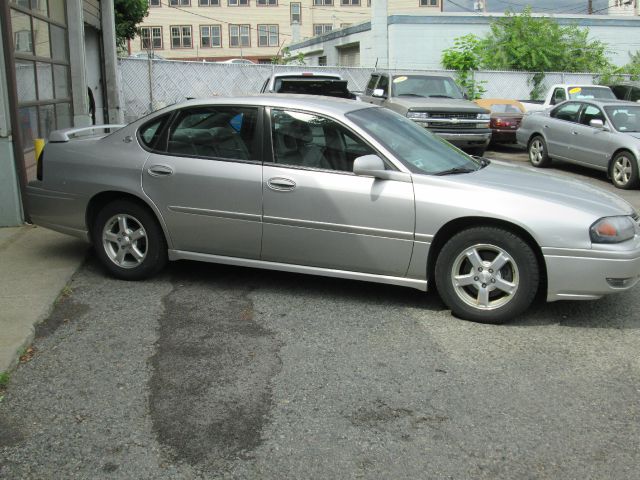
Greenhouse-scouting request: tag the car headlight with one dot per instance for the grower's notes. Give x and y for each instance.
(484, 116)
(417, 115)
(612, 230)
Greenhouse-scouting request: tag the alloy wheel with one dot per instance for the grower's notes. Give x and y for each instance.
(124, 240)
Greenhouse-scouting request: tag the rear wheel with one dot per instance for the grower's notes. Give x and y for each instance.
(128, 240)
(624, 171)
(487, 274)
(538, 155)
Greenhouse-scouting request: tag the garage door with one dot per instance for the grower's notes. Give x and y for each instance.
(350, 56)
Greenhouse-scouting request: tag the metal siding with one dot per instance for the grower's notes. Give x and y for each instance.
(91, 11)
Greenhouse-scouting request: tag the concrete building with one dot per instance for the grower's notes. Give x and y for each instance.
(624, 7)
(408, 42)
(58, 70)
(217, 30)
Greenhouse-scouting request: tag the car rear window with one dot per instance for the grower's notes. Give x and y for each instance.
(150, 132)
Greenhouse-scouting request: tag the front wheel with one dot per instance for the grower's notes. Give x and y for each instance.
(487, 275)
(624, 171)
(128, 240)
(538, 155)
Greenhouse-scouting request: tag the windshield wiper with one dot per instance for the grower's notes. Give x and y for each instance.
(439, 96)
(453, 171)
(410, 95)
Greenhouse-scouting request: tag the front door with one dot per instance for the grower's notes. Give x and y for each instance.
(206, 179)
(318, 213)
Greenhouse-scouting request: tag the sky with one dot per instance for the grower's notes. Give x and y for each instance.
(538, 6)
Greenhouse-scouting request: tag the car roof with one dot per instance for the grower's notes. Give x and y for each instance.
(316, 103)
(410, 74)
(604, 102)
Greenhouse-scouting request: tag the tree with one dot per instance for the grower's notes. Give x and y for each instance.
(464, 57)
(540, 44)
(285, 58)
(128, 14)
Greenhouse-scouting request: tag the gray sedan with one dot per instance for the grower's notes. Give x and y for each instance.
(601, 134)
(335, 188)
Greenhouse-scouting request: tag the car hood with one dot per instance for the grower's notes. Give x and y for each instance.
(517, 182)
(442, 104)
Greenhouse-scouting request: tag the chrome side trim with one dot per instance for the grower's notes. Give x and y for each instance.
(595, 254)
(338, 227)
(249, 217)
(423, 237)
(287, 267)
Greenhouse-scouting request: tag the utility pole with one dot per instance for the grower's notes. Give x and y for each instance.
(590, 7)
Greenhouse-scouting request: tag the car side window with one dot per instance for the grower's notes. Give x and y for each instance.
(559, 95)
(306, 140)
(634, 94)
(567, 111)
(620, 91)
(225, 132)
(589, 113)
(372, 84)
(384, 84)
(150, 132)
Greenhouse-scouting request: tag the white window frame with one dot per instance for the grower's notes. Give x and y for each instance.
(181, 35)
(322, 28)
(152, 37)
(210, 36)
(270, 33)
(243, 31)
(293, 14)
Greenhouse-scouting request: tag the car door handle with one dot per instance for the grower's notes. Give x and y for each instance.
(160, 170)
(281, 184)
(574, 133)
(546, 126)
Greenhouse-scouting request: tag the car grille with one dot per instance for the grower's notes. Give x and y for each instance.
(451, 126)
(459, 115)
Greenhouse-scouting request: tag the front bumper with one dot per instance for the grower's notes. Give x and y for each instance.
(590, 274)
(464, 139)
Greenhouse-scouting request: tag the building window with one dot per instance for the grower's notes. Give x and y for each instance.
(239, 36)
(180, 3)
(296, 10)
(267, 3)
(155, 3)
(428, 3)
(151, 38)
(210, 36)
(350, 3)
(268, 36)
(321, 28)
(181, 36)
(323, 2)
(322, 61)
(238, 3)
(209, 3)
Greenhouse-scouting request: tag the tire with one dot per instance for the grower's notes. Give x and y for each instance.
(538, 155)
(129, 241)
(471, 288)
(624, 170)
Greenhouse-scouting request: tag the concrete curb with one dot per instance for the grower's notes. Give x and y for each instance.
(35, 266)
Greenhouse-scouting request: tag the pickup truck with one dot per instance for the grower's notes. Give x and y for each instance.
(436, 103)
(566, 91)
(308, 83)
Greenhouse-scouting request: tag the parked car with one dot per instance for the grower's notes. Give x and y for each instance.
(506, 116)
(335, 188)
(561, 92)
(601, 134)
(245, 61)
(627, 91)
(308, 83)
(435, 102)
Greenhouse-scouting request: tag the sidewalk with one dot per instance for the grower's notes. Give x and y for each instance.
(35, 265)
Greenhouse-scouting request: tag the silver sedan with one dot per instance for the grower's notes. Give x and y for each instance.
(601, 134)
(335, 188)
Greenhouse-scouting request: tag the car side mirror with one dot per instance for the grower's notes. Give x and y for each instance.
(597, 123)
(373, 166)
(378, 92)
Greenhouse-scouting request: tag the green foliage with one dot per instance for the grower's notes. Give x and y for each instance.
(540, 44)
(285, 58)
(4, 379)
(464, 57)
(128, 14)
(631, 71)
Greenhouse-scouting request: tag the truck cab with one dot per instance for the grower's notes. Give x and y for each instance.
(436, 103)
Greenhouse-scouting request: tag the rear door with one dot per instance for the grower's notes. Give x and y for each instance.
(206, 179)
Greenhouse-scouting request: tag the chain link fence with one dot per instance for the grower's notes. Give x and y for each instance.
(148, 85)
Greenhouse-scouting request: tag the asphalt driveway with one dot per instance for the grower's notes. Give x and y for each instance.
(224, 372)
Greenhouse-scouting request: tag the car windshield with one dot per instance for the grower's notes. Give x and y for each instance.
(418, 149)
(425, 86)
(625, 118)
(580, 93)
